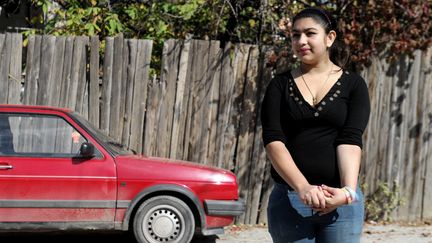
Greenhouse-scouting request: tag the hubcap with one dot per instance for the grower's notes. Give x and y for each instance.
(163, 224)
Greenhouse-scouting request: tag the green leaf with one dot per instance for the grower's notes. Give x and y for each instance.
(112, 25)
(162, 28)
(132, 13)
(252, 23)
(90, 28)
(45, 8)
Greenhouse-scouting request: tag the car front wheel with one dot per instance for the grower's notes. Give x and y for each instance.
(164, 219)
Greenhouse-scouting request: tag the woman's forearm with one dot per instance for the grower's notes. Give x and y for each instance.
(284, 164)
(349, 158)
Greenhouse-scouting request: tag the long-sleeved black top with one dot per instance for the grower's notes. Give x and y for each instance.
(311, 134)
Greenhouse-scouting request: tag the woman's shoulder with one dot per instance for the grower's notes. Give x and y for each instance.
(353, 79)
(280, 79)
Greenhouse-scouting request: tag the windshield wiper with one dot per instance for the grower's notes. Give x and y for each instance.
(116, 144)
(123, 148)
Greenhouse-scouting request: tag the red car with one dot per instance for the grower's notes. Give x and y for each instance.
(57, 171)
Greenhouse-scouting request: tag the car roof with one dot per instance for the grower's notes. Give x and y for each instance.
(35, 107)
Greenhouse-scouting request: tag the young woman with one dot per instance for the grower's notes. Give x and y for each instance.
(313, 119)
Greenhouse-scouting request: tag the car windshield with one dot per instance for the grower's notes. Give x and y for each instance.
(113, 145)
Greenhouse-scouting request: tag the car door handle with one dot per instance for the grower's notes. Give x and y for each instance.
(6, 167)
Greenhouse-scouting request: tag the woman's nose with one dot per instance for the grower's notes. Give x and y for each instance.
(302, 39)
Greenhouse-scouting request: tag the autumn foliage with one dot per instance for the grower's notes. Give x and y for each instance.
(388, 28)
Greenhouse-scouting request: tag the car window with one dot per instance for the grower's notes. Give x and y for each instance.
(38, 135)
(110, 143)
(6, 144)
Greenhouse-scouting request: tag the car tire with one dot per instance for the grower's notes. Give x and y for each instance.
(164, 219)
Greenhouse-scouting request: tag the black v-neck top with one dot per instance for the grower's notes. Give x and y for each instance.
(311, 134)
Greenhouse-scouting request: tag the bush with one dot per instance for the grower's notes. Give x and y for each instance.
(382, 202)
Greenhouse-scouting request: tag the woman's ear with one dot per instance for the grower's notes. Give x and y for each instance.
(330, 39)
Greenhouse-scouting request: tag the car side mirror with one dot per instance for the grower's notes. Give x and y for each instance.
(87, 150)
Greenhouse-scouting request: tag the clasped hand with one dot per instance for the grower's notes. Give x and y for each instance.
(322, 199)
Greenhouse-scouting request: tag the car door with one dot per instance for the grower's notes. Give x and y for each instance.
(43, 179)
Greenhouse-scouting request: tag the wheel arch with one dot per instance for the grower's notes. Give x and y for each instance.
(180, 192)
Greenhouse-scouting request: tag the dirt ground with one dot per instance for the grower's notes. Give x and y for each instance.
(372, 233)
(391, 233)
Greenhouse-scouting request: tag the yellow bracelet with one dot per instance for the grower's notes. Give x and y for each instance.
(347, 195)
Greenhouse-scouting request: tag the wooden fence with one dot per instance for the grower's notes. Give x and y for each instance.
(204, 107)
(398, 147)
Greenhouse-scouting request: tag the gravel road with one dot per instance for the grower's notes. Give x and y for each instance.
(392, 233)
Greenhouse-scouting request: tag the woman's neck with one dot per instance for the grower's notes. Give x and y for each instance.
(318, 68)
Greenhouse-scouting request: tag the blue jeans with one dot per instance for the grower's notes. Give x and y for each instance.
(290, 220)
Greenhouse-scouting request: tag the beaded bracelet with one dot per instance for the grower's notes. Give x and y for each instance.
(352, 193)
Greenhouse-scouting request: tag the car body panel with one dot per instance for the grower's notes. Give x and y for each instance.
(104, 191)
(40, 189)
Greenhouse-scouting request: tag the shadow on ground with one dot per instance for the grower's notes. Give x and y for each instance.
(81, 237)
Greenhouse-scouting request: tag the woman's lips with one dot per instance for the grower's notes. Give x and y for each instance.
(304, 51)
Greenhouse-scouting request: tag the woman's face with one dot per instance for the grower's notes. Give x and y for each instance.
(309, 41)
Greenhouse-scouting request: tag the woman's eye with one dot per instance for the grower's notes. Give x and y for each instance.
(310, 33)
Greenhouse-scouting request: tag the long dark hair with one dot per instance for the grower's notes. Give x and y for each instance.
(339, 54)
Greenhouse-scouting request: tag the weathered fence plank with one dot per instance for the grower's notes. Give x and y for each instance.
(177, 134)
(168, 78)
(3, 64)
(258, 181)
(130, 54)
(124, 95)
(240, 123)
(46, 71)
(197, 96)
(412, 168)
(375, 152)
(140, 93)
(226, 89)
(32, 69)
(262, 181)
(5, 55)
(57, 71)
(155, 90)
(67, 72)
(107, 84)
(267, 187)
(15, 70)
(77, 73)
(426, 137)
(81, 104)
(94, 81)
(214, 79)
(183, 145)
(116, 91)
(247, 127)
